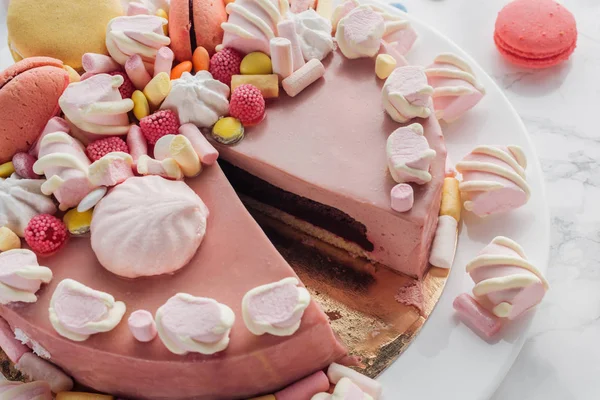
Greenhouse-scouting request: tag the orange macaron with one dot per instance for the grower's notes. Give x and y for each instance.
(535, 33)
(194, 23)
(29, 93)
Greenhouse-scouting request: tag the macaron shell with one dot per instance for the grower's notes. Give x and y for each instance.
(27, 64)
(27, 102)
(535, 33)
(62, 29)
(209, 14)
(179, 29)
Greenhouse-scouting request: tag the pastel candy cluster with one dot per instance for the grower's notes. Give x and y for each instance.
(77, 311)
(186, 323)
(21, 276)
(407, 95)
(359, 33)
(148, 226)
(494, 179)
(409, 155)
(503, 275)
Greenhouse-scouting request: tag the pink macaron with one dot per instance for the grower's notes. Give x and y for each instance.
(535, 33)
(29, 93)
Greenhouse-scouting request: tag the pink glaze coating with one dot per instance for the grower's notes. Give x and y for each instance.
(334, 145)
(476, 317)
(9, 344)
(305, 388)
(260, 364)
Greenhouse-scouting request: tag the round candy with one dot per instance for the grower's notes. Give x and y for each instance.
(6, 169)
(256, 63)
(228, 130)
(78, 223)
(141, 108)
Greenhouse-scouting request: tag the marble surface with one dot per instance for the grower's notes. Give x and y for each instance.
(561, 358)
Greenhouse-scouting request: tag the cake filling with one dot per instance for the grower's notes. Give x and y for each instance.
(192, 28)
(318, 214)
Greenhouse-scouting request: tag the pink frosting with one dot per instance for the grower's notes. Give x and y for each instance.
(148, 226)
(352, 152)
(10, 345)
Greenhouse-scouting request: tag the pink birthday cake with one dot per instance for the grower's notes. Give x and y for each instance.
(130, 264)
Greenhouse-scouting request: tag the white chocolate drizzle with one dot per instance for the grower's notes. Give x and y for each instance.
(461, 70)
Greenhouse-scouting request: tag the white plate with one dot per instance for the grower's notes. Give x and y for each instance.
(447, 360)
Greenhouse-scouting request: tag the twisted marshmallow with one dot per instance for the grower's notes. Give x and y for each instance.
(406, 94)
(359, 33)
(494, 179)
(21, 276)
(409, 155)
(504, 276)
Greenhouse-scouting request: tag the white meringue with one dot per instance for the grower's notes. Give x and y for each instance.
(21, 200)
(77, 311)
(148, 226)
(314, 33)
(21, 276)
(198, 99)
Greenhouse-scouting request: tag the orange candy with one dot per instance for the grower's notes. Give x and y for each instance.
(179, 69)
(200, 59)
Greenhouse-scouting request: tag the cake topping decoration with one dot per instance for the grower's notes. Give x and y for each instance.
(503, 275)
(141, 108)
(275, 308)
(399, 34)
(359, 33)
(446, 234)
(297, 6)
(409, 155)
(287, 30)
(142, 326)
(55, 124)
(281, 57)
(337, 373)
(23, 165)
(455, 88)
(247, 104)
(63, 161)
(384, 65)
(101, 147)
(314, 33)
(167, 168)
(139, 34)
(157, 90)
(200, 59)
(46, 234)
(8, 239)
(228, 130)
(99, 63)
(21, 200)
(186, 323)
(309, 73)
(96, 107)
(165, 221)
(256, 63)
(7, 169)
(252, 24)
(198, 99)
(77, 311)
(267, 84)
(21, 276)
(224, 64)
(164, 61)
(159, 124)
(180, 149)
(406, 94)
(207, 153)
(402, 197)
(345, 389)
(494, 179)
(111, 169)
(127, 88)
(136, 71)
(38, 390)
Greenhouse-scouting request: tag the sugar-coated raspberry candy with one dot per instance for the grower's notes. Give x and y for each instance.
(101, 147)
(159, 124)
(46, 234)
(247, 104)
(127, 88)
(224, 64)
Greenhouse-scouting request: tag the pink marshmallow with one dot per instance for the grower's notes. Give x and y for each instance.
(38, 369)
(167, 168)
(87, 75)
(137, 143)
(136, 8)
(136, 71)
(297, 6)
(336, 372)
(11, 346)
(402, 197)
(303, 77)
(38, 390)
(389, 48)
(164, 61)
(305, 388)
(400, 35)
(341, 11)
(142, 325)
(476, 317)
(56, 124)
(450, 170)
(99, 63)
(281, 57)
(207, 153)
(112, 169)
(287, 29)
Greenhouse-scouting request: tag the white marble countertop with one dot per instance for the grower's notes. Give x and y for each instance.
(561, 357)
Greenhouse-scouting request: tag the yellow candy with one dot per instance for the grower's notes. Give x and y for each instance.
(157, 90)
(82, 396)
(256, 63)
(8, 239)
(384, 65)
(73, 75)
(451, 203)
(325, 8)
(265, 397)
(78, 223)
(228, 130)
(6, 169)
(141, 108)
(267, 84)
(163, 14)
